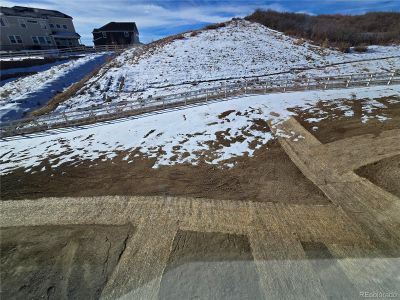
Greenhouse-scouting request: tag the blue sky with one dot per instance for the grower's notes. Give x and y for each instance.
(159, 18)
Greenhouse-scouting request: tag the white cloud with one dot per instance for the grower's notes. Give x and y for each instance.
(94, 13)
(156, 18)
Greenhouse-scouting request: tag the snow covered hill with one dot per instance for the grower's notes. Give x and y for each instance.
(204, 58)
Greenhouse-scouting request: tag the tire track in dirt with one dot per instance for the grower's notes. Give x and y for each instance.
(376, 210)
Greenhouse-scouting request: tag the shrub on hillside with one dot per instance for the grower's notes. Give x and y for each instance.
(299, 42)
(325, 44)
(215, 26)
(370, 28)
(361, 48)
(344, 47)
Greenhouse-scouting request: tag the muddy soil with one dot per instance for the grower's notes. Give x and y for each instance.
(59, 262)
(337, 125)
(384, 173)
(210, 265)
(269, 176)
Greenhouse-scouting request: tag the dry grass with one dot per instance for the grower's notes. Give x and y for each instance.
(215, 26)
(381, 28)
(361, 48)
(5, 94)
(344, 47)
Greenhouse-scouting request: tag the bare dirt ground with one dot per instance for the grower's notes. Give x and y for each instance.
(268, 176)
(331, 167)
(59, 262)
(384, 173)
(336, 125)
(304, 223)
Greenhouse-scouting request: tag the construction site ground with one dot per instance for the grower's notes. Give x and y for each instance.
(314, 214)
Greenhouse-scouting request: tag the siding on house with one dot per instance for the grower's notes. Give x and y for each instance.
(116, 33)
(24, 28)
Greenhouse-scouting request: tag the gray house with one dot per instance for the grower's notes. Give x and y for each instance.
(116, 33)
(26, 28)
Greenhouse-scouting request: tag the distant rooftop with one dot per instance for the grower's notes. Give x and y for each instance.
(118, 26)
(23, 11)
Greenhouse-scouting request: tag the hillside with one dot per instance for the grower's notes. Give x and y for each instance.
(335, 30)
(206, 58)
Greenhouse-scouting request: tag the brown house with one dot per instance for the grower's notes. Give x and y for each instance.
(116, 33)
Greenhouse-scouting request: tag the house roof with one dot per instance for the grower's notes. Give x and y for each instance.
(118, 26)
(22, 11)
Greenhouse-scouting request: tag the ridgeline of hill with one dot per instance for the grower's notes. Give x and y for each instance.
(343, 31)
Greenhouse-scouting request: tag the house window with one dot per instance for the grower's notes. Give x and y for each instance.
(43, 25)
(51, 25)
(48, 40)
(104, 34)
(58, 26)
(65, 26)
(35, 40)
(32, 21)
(22, 23)
(12, 39)
(3, 22)
(126, 33)
(42, 40)
(15, 39)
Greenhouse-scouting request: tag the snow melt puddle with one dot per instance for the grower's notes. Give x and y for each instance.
(214, 133)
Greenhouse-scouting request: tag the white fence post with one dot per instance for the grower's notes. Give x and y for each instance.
(369, 80)
(391, 78)
(65, 116)
(348, 81)
(225, 90)
(326, 83)
(91, 114)
(36, 122)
